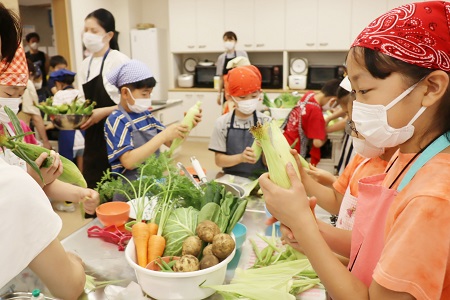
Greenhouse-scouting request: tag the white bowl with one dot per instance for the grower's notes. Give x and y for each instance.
(177, 286)
(279, 113)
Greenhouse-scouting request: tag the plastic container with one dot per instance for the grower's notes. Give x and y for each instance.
(279, 113)
(216, 82)
(240, 233)
(113, 213)
(177, 286)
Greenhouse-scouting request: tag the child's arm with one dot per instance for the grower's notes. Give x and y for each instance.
(224, 160)
(327, 198)
(133, 158)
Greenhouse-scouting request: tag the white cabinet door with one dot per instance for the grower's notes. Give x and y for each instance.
(364, 12)
(239, 16)
(210, 110)
(300, 25)
(182, 24)
(196, 25)
(210, 25)
(333, 29)
(269, 25)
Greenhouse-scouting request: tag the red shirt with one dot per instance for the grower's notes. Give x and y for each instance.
(313, 125)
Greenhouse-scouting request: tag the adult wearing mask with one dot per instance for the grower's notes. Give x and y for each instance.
(33, 240)
(229, 43)
(100, 39)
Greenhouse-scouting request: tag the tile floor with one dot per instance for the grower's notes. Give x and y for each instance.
(199, 148)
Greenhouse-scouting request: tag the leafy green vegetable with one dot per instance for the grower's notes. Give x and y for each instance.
(181, 224)
(211, 211)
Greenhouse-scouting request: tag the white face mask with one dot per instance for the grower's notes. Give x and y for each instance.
(366, 149)
(13, 104)
(140, 104)
(37, 85)
(34, 46)
(93, 42)
(247, 107)
(371, 122)
(229, 45)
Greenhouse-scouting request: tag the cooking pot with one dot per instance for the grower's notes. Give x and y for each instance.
(186, 80)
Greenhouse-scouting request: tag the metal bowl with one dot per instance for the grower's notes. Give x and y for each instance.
(69, 122)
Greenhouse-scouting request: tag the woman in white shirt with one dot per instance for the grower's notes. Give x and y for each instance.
(100, 39)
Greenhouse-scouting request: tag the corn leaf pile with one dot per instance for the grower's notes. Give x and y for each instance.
(278, 273)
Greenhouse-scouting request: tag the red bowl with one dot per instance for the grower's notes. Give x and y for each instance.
(113, 213)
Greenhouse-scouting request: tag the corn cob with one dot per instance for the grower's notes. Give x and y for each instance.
(189, 121)
(29, 153)
(257, 149)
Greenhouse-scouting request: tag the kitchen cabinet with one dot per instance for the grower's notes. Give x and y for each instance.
(172, 114)
(364, 12)
(257, 23)
(196, 25)
(210, 110)
(317, 25)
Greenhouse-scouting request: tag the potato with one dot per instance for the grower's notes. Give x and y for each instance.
(207, 250)
(222, 246)
(206, 230)
(192, 245)
(187, 263)
(208, 261)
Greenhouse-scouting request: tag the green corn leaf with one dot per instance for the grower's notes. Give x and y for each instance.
(15, 122)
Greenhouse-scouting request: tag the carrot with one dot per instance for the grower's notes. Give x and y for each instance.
(156, 246)
(153, 228)
(141, 236)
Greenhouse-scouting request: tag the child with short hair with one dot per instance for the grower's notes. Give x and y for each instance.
(132, 133)
(57, 62)
(231, 141)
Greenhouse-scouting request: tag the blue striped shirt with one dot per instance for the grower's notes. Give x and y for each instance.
(118, 134)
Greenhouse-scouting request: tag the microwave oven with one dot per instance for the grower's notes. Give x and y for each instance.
(204, 76)
(318, 75)
(272, 76)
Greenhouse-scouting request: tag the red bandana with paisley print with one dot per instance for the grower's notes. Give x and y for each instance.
(417, 33)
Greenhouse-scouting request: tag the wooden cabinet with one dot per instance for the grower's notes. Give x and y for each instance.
(196, 25)
(210, 110)
(258, 24)
(317, 25)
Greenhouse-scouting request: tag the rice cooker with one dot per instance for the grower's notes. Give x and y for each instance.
(186, 80)
(297, 82)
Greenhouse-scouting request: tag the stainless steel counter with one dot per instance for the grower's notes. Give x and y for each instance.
(107, 263)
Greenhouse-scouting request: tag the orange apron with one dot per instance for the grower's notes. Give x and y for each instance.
(374, 201)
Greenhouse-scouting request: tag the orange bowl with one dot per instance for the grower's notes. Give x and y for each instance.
(113, 213)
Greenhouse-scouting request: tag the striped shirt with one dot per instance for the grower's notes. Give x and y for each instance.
(118, 134)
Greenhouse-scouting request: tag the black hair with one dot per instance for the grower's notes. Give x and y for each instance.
(341, 92)
(330, 87)
(10, 33)
(31, 35)
(142, 84)
(57, 60)
(381, 66)
(67, 79)
(106, 20)
(230, 35)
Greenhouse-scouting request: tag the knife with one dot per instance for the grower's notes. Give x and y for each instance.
(199, 170)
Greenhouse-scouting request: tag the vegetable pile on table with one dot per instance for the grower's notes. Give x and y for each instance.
(280, 272)
(180, 207)
(285, 100)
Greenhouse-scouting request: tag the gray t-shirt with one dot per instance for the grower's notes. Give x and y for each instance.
(221, 60)
(218, 142)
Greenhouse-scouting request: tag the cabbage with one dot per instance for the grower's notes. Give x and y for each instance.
(181, 224)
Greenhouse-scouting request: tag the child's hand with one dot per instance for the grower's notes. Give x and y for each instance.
(248, 156)
(49, 174)
(90, 200)
(197, 118)
(175, 131)
(321, 176)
